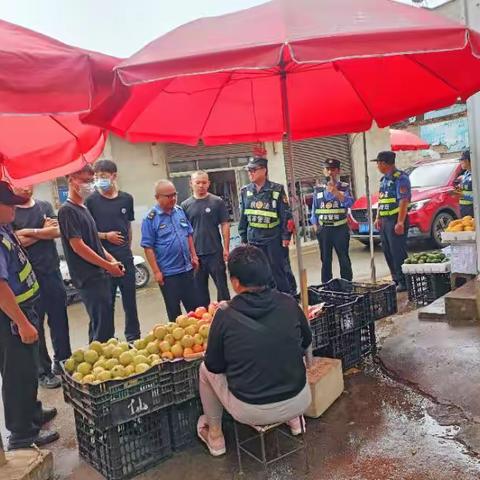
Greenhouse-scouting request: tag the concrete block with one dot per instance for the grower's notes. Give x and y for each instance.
(326, 382)
(29, 464)
(461, 305)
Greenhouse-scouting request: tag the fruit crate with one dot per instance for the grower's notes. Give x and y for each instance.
(183, 423)
(424, 289)
(347, 347)
(368, 340)
(184, 379)
(380, 299)
(119, 401)
(349, 311)
(124, 451)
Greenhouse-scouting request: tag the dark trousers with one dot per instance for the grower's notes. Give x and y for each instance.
(126, 284)
(275, 253)
(288, 270)
(214, 266)
(19, 370)
(394, 248)
(97, 298)
(178, 289)
(53, 304)
(338, 238)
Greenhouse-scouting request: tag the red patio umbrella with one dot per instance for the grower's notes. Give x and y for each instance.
(34, 149)
(41, 75)
(304, 68)
(403, 140)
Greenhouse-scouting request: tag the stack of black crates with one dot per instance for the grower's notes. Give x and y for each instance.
(346, 327)
(126, 427)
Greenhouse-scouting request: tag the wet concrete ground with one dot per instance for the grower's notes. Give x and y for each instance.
(378, 429)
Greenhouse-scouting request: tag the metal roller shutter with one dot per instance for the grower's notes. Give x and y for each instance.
(177, 153)
(310, 155)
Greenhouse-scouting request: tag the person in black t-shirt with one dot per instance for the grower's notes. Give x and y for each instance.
(207, 212)
(87, 260)
(113, 213)
(36, 227)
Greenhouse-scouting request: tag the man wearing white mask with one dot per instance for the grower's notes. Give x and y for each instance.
(113, 213)
(89, 263)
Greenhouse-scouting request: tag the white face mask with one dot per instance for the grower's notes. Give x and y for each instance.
(86, 189)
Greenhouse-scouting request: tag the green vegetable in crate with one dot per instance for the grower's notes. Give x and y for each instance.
(426, 257)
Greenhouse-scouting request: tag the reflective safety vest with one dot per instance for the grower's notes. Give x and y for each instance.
(261, 208)
(388, 204)
(25, 276)
(467, 190)
(331, 213)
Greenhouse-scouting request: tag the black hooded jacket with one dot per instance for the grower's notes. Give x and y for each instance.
(258, 342)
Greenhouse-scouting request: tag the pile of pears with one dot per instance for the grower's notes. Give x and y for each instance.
(116, 360)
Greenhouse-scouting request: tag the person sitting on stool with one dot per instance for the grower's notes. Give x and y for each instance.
(243, 370)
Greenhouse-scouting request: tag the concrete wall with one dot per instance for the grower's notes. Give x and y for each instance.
(377, 140)
(276, 163)
(452, 10)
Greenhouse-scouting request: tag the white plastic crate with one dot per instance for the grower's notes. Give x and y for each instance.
(411, 268)
(464, 258)
(458, 237)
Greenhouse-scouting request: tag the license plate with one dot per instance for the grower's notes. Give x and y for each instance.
(363, 228)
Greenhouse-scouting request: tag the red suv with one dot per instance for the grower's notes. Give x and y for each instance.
(434, 203)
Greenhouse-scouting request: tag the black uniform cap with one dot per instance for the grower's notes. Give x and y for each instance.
(257, 162)
(465, 155)
(387, 157)
(332, 163)
(7, 197)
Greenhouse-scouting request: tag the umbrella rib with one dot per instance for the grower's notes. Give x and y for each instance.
(253, 106)
(220, 90)
(64, 127)
(337, 66)
(433, 73)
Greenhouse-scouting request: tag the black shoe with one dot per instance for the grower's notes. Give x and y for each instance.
(44, 437)
(49, 381)
(48, 414)
(401, 287)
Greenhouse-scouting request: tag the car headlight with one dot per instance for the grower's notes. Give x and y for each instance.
(415, 206)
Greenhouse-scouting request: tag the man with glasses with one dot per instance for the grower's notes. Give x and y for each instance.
(167, 238)
(264, 219)
(113, 213)
(88, 262)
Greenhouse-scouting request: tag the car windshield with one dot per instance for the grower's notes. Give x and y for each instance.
(432, 175)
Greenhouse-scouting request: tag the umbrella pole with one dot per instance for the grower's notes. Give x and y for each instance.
(373, 270)
(293, 194)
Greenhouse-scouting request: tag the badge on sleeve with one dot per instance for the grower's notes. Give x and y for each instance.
(403, 189)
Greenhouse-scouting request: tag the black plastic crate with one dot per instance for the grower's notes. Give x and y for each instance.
(184, 379)
(380, 299)
(126, 450)
(346, 347)
(183, 423)
(368, 340)
(118, 401)
(425, 288)
(348, 311)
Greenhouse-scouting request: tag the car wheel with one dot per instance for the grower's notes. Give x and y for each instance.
(142, 276)
(439, 225)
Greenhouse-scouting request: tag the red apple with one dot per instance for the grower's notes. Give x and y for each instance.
(200, 311)
(191, 313)
(207, 317)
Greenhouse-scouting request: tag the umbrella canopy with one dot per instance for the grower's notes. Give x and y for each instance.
(403, 140)
(41, 75)
(345, 63)
(34, 149)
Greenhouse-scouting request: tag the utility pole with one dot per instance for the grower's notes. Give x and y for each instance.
(472, 19)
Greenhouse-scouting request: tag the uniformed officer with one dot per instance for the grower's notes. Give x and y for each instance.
(466, 188)
(331, 202)
(167, 238)
(264, 213)
(392, 215)
(24, 416)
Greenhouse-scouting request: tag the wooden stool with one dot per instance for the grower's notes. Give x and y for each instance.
(300, 443)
